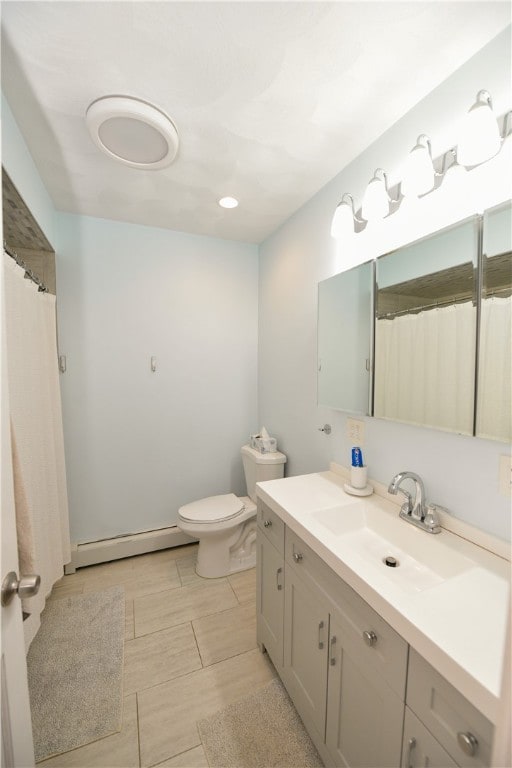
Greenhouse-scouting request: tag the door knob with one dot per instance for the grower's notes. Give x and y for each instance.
(27, 586)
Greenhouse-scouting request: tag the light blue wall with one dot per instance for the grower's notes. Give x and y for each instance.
(140, 444)
(461, 473)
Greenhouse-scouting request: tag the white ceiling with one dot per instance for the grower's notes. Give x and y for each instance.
(271, 99)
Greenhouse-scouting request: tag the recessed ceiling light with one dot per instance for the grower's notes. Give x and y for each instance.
(132, 131)
(228, 202)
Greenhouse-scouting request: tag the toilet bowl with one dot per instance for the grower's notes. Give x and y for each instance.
(225, 525)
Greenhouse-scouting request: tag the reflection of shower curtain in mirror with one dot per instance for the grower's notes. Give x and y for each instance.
(37, 437)
(424, 367)
(493, 416)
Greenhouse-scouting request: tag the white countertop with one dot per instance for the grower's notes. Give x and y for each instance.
(457, 625)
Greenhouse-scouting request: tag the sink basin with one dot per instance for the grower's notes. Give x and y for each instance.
(366, 532)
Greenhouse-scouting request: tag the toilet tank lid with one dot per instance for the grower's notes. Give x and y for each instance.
(212, 509)
(264, 458)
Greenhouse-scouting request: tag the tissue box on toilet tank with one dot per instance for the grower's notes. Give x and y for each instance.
(264, 444)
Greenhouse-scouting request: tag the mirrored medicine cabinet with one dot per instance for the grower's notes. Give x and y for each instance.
(422, 335)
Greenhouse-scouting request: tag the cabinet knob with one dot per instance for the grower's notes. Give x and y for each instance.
(468, 743)
(370, 637)
(267, 523)
(297, 556)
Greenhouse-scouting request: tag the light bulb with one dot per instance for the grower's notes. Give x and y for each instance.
(343, 219)
(376, 199)
(480, 136)
(419, 175)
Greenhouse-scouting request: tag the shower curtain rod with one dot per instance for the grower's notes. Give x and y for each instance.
(415, 310)
(28, 272)
(507, 290)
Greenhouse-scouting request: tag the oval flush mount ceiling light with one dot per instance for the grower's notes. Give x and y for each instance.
(132, 131)
(228, 202)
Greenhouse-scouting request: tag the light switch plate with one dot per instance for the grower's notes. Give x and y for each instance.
(355, 432)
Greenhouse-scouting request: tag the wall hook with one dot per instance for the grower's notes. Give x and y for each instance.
(326, 429)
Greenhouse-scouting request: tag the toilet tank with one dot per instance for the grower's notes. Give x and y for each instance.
(261, 466)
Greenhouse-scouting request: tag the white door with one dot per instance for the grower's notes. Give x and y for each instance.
(17, 742)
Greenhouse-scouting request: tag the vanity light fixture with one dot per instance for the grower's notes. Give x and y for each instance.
(376, 198)
(228, 202)
(345, 218)
(480, 141)
(419, 173)
(480, 136)
(132, 131)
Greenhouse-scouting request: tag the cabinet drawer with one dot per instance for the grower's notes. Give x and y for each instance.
(420, 748)
(365, 634)
(449, 716)
(271, 525)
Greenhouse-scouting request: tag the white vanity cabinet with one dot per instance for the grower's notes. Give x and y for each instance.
(270, 589)
(370, 695)
(344, 667)
(454, 725)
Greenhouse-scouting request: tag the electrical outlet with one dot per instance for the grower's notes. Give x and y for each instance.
(355, 432)
(505, 480)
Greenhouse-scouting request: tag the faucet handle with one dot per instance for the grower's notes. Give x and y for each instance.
(431, 519)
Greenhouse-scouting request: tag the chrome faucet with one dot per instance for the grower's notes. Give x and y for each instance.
(416, 511)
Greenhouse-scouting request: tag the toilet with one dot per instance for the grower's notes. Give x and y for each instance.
(226, 525)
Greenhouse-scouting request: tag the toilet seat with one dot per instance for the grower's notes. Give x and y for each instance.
(213, 509)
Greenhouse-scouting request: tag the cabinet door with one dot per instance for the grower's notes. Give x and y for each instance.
(270, 599)
(365, 716)
(305, 651)
(420, 748)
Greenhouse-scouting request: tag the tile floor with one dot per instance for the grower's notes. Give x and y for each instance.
(190, 650)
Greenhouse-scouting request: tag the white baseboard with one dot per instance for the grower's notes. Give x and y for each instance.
(95, 552)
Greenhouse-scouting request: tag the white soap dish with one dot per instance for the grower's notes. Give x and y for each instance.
(366, 491)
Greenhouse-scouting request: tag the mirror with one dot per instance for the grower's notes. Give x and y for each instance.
(441, 343)
(425, 330)
(344, 339)
(494, 393)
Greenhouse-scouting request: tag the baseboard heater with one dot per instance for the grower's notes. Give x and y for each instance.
(126, 545)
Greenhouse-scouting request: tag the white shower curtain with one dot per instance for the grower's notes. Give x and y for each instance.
(37, 437)
(424, 367)
(494, 410)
